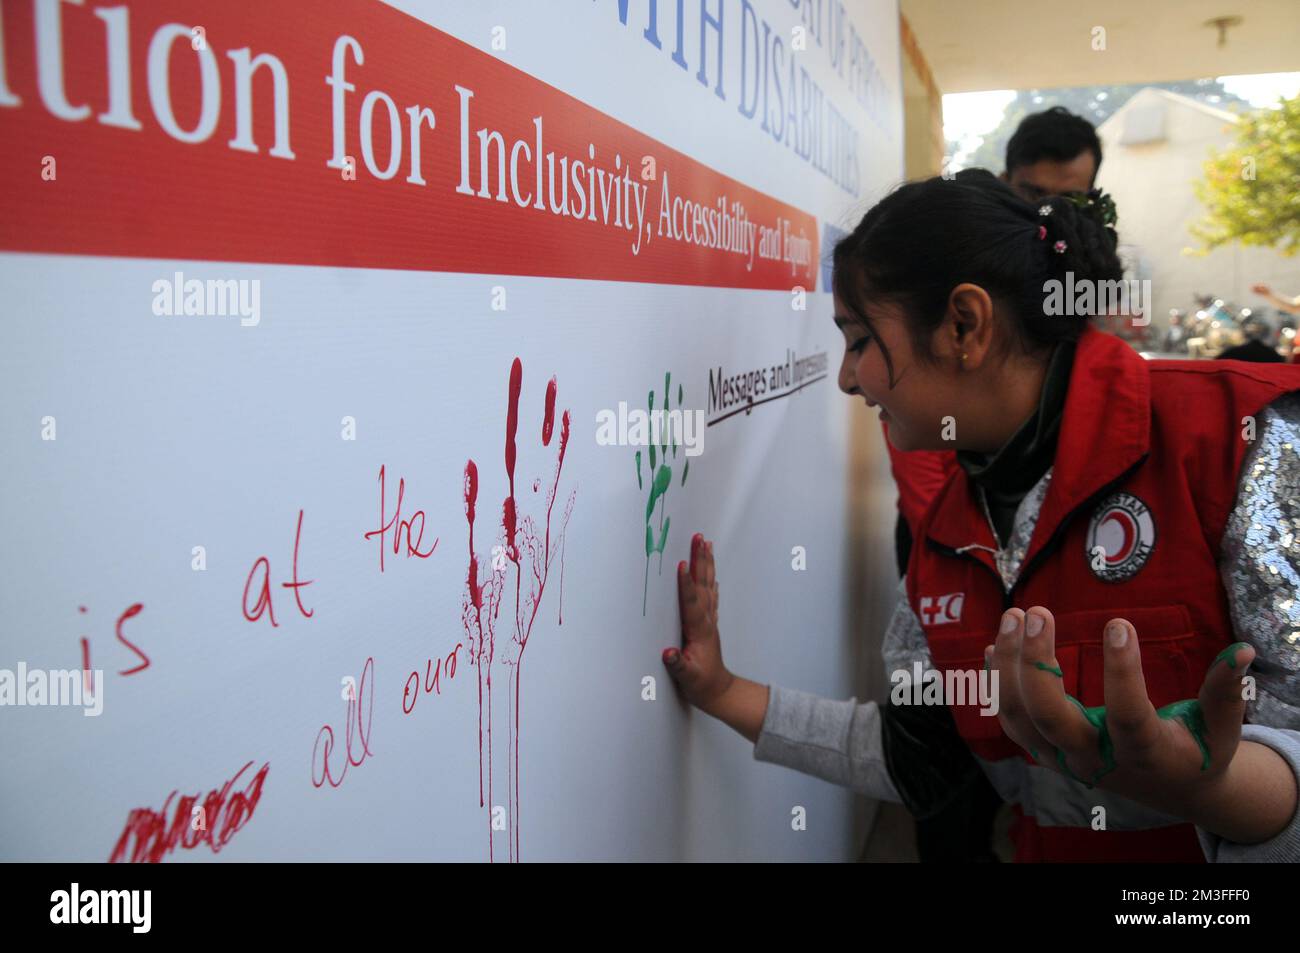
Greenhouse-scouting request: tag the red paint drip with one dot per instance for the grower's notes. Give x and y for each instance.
(471, 497)
(512, 419)
(481, 636)
(548, 418)
(560, 617)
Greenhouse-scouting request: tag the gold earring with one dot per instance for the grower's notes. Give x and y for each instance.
(963, 357)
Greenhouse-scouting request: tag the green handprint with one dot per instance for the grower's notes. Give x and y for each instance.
(662, 480)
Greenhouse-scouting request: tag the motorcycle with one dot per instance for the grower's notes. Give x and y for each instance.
(1214, 329)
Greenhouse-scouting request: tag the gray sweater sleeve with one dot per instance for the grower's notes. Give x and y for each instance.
(1283, 848)
(1260, 567)
(840, 741)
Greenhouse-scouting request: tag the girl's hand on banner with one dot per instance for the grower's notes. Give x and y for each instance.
(697, 666)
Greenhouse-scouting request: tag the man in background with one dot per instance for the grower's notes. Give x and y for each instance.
(1051, 153)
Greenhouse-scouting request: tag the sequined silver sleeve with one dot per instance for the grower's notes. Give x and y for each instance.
(1260, 563)
(1260, 566)
(904, 641)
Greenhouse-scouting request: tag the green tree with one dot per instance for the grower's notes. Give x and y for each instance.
(1252, 191)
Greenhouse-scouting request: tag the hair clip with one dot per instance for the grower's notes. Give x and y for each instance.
(1044, 210)
(1060, 247)
(1042, 232)
(1099, 204)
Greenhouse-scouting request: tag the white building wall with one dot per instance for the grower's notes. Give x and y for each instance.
(1152, 187)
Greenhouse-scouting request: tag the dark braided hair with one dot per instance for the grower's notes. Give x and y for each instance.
(925, 238)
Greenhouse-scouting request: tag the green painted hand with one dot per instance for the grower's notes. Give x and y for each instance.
(1165, 758)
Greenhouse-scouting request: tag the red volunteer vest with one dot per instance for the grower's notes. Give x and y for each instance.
(1146, 467)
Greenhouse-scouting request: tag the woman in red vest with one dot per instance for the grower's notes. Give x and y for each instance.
(1103, 602)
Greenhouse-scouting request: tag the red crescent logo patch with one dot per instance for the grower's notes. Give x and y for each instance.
(1121, 535)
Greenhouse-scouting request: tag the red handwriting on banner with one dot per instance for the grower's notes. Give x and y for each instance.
(129, 612)
(148, 838)
(398, 525)
(432, 679)
(264, 604)
(354, 730)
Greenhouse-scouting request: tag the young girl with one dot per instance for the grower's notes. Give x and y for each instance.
(1119, 549)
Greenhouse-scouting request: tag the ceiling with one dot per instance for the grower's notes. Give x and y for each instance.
(974, 45)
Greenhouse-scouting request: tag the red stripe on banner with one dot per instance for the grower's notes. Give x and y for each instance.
(119, 142)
